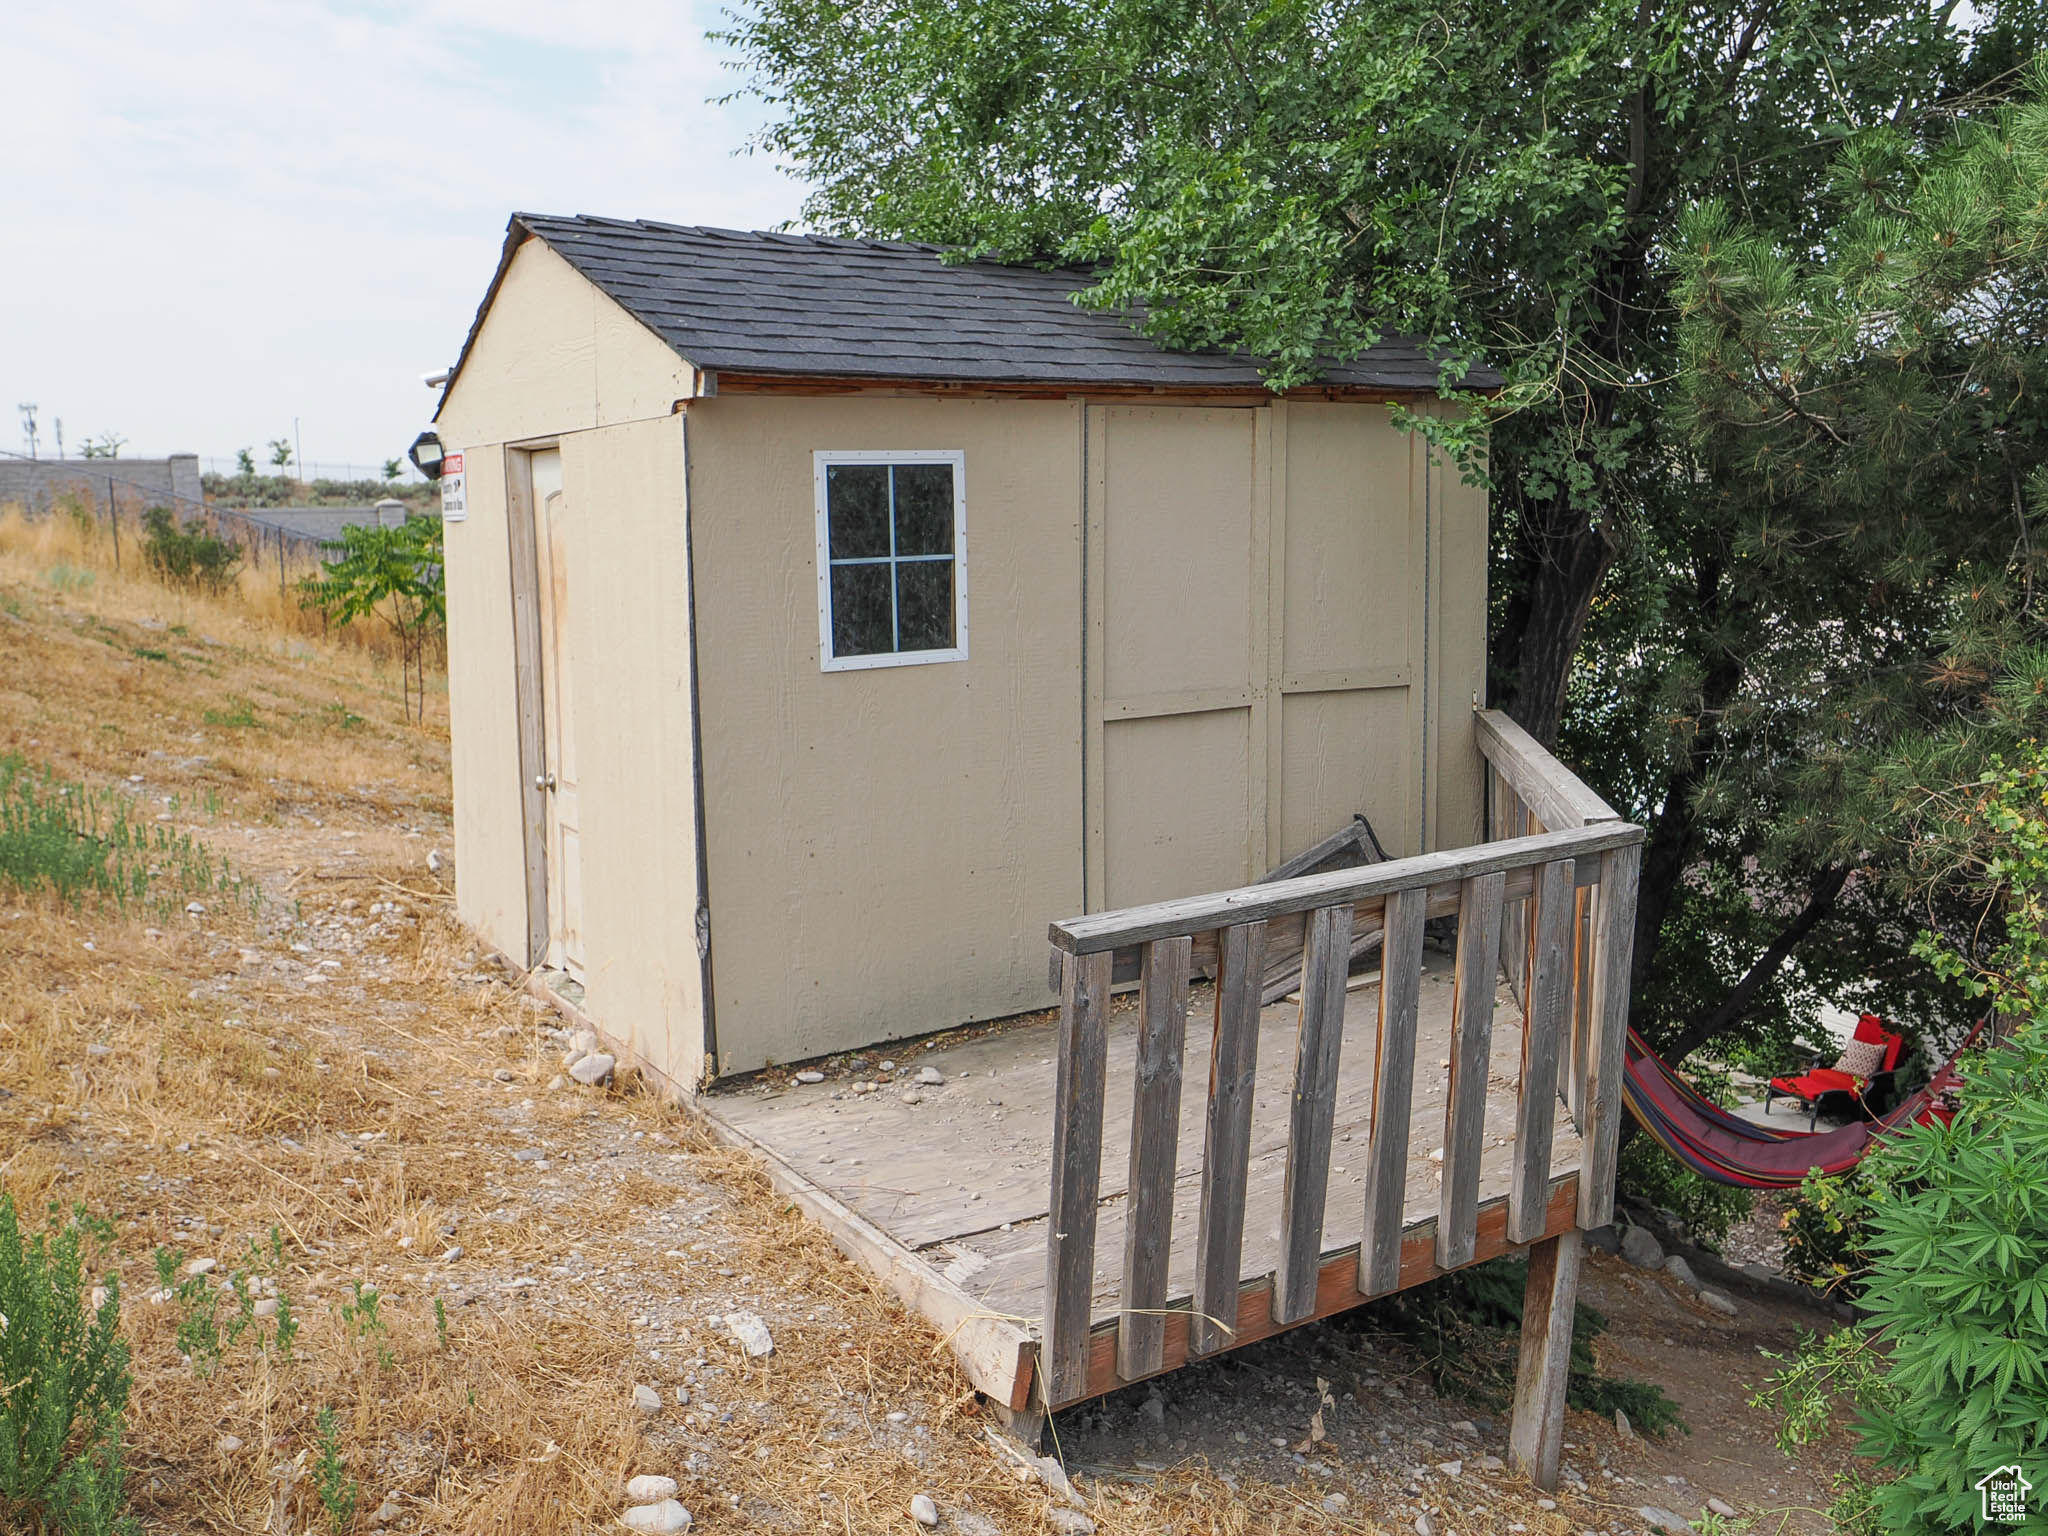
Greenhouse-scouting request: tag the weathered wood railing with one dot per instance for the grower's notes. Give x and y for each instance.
(1555, 889)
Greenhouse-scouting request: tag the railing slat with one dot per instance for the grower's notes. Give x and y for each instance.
(1076, 1175)
(1613, 955)
(1543, 1032)
(1457, 1220)
(1155, 1140)
(1393, 1090)
(1325, 970)
(1226, 1154)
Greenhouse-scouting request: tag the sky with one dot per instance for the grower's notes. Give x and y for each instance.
(224, 214)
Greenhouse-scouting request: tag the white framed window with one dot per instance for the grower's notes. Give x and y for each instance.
(892, 557)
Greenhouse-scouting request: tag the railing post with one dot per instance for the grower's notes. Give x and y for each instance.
(1457, 1217)
(1613, 958)
(1076, 1175)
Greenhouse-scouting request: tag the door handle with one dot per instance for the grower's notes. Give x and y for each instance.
(543, 781)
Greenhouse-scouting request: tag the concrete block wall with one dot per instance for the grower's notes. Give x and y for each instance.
(37, 483)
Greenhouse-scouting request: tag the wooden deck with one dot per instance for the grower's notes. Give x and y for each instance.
(959, 1179)
(1077, 1203)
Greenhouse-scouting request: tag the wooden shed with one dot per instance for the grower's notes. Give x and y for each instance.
(828, 619)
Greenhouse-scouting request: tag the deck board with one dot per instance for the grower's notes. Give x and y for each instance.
(945, 1176)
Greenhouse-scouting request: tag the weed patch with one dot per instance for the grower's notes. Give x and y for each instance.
(82, 844)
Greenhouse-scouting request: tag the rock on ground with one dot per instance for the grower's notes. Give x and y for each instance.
(650, 1488)
(668, 1515)
(923, 1510)
(1715, 1301)
(1069, 1522)
(1641, 1249)
(593, 1069)
(751, 1334)
(647, 1400)
(1676, 1267)
(1663, 1519)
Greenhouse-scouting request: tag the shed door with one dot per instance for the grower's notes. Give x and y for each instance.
(552, 519)
(1178, 649)
(1254, 643)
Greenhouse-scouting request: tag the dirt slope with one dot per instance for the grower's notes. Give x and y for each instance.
(342, 1066)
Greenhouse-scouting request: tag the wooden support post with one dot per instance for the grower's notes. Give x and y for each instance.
(1226, 1158)
(1155, 1137)
(1548, 1017)
(1306, 1183)
(1536, 1431)
(1457, 1222)
(1076, 1175)
(1393, 1092)
(1613, 958)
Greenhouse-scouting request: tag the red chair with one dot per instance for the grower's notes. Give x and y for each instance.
(1871, 1056)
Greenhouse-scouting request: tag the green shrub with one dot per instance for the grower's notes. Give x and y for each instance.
(1467, 1327)
(188, 557)
(63, 1378)
(1948, 1367)
(78, 843)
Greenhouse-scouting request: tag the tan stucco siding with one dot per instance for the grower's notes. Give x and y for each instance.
(885, 846)
(629, 619)
(556, 354)
(483, 724)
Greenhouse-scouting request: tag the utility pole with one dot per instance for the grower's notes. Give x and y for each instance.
(60, 437)
(298, 448)
(28, 426)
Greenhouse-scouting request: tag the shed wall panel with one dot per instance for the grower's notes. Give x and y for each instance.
(557, 355)
(1350, 519)
(1343, 752)
(1179, 553)
(885, 845)
(1177, 792)
(483, 726)
(1458, 645)
(630, 627)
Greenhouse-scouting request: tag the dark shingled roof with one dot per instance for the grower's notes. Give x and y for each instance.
(811, 306)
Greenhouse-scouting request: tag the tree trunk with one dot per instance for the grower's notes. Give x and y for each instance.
(1568, 563)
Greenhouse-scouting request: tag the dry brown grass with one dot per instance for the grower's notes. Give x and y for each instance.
(189, 1084)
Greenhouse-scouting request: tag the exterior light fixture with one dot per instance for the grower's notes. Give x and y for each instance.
(426, 455)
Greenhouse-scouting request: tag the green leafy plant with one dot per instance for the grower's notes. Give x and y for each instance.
(81, 844)
(392, 574)
(1948, 1367)
(188, 557)
(337, 1490)
(63, 1376)
(441, 1322)
(362, 1317)
(245, 461)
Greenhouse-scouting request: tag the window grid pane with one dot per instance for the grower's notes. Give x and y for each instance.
(919, 598)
